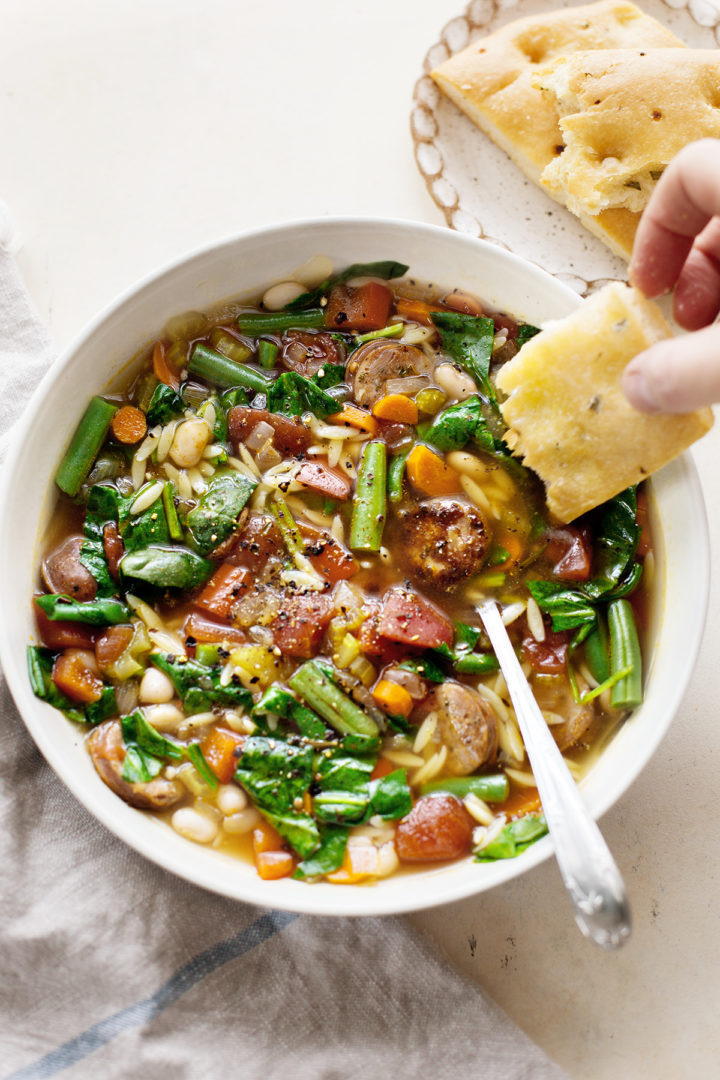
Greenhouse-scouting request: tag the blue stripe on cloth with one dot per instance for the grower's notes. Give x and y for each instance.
(205, 963)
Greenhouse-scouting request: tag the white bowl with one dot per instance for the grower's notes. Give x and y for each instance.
(246, 264)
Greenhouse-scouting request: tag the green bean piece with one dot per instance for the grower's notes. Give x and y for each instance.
(173, 521)
(597, 652)
(267, 353)
(627, 693)
(370, 504)
(275, 322)
(222, 372)
(85, 445)
(396, 473)
(330, 702)
(103, 611)
(392, 331)
(493, 789)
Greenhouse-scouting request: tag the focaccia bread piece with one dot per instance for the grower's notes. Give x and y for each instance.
(491, 81)
(624, 115)
(566, 413)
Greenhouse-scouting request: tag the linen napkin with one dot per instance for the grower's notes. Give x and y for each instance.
(110, 967)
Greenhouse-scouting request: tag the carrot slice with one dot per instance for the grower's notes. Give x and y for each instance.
(163, 372)
(361, 307)
(129, 425)
(415, 310)
(398, 407)
(321, 477)
(224, 589)
(393, 698)
(73, 673)
(428, 473)
(351, 416)
(266, 838)
(272, 865)
(218, 749)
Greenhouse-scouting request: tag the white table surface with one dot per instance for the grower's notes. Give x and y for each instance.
(134, 130)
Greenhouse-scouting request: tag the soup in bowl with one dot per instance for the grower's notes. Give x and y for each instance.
(254, 650)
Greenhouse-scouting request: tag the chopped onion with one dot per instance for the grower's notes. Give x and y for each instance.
(411, 384)
(259, 435)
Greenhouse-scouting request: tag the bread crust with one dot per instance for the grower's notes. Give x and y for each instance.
(567, 415)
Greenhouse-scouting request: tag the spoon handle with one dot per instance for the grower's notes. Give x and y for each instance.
(587, 868)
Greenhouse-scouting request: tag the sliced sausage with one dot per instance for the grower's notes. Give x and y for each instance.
(291, 437)
(62, 571)
(107, 750)
(443, 542)
(554, 695)
(377, 361)
(466, 725)
(306, 352)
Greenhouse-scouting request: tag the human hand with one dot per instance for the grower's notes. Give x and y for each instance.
(678, 245)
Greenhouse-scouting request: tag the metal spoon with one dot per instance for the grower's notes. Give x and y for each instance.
(587, 868)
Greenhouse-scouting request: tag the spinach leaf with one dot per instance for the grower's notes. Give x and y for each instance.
(330, 854)
(347, 795)
(462, 656)
(274, 772)
(515, 838)
(525, 332)
(280, 702)
(145, 749)
(165, 405)
(568, 607)
(329, 375)
(385, 269)
(103, 611)
(616, 536)
(468, 339)
(139, 531)
(198, 686)
(105, 706)
(452, 428)
(292, 395)
(217, 513)
(390, 796)
(171, 567)
(300, 830)
(426, 667)
(101, 508)
(196, 756)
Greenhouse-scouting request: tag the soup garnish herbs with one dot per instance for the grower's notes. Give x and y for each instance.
(260, 591)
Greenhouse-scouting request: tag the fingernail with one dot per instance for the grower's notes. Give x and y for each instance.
(633, 384)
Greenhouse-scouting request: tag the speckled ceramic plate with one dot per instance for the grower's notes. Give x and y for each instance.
(484, 194)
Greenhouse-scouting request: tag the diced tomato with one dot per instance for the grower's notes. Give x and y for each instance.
(306, 352)
(641, 517)
(329, 557)
(362, 307)
(75, 675)
(64, 634)
(224, 589)
(220, 749)
(548, 657)
(377, 647)
(526, 801)
(570, 551)
(321, 477)
(258, 541)
(298, 629)
(291, 437)
(412, 620)
(111, 644)
(113, 547)
(199, 628)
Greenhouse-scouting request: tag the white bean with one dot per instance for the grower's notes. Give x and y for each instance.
(165, 717)
(454, 382)
(317, 269)
(242, 822)
(279, 296)
(190, 439)
(156, 688)
(193, 825)
(230, 799)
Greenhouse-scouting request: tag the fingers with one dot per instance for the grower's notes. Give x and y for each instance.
(684, 201)
(697, 293)
(676, 375)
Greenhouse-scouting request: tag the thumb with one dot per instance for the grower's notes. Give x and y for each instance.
(676, 375)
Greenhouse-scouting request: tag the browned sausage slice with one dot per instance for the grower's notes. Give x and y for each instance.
(107, 750)
(553, 694)
(443, 542)
(377, 361)
(62, 571)
(306, 352)
(466, 725)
